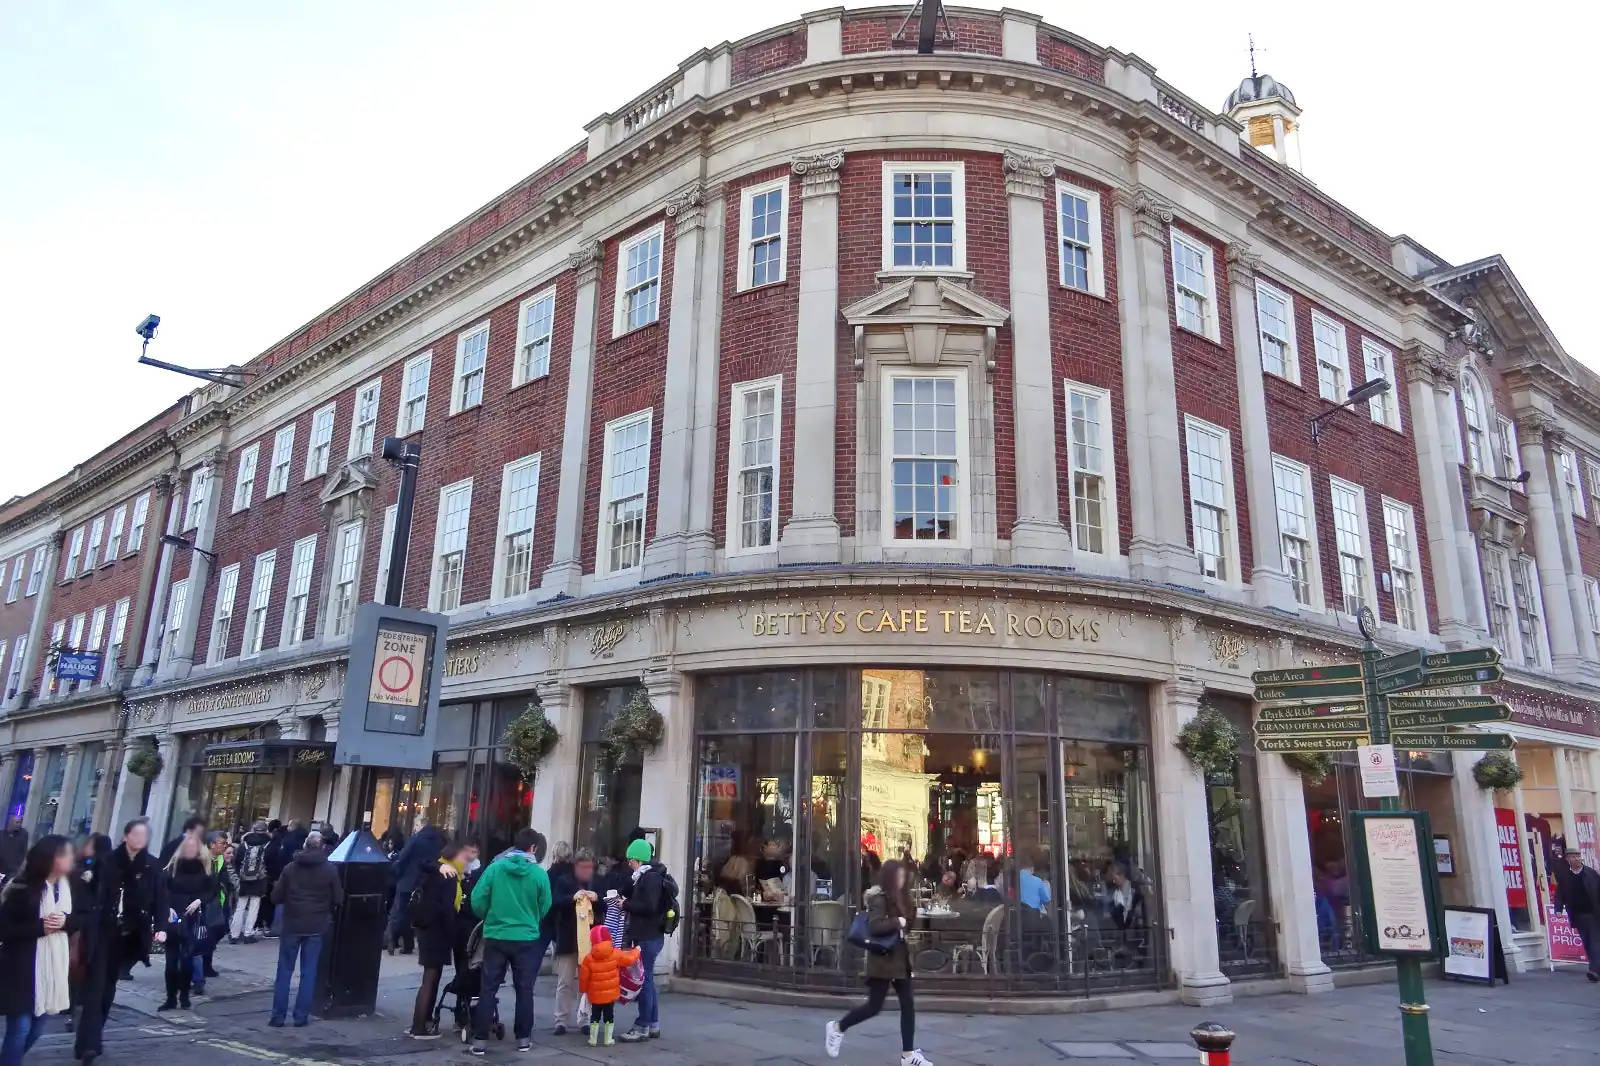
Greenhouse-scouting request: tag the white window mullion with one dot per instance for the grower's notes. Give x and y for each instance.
(97, 633)
(413, 414)
(36, 572)
(244, 480)
(624, 487)
(753, 479)
(1193, 271)
(255, 622)
(519, 504)
(177, 607)
(1091, 470)
(381, 585)
(472, 356)
(297, 605)
(91, 553)
(638, 299)
(763, 225)
(924, 216)
(1211, 508)
(1297, 529)
(1275, 321)
(1405, 584)
(1082, 264)
(926, 459)
(1479, 458)
(199, 489)
(119, 633)
(1356, 584)
(342, 590)
(19, 567)
(19, 652)
(282, 460)
(74, 554)
(535, 331)
(1379, 361)
(1510, 458)
(450, 546)
(320, 447)
(364, 418)
(222, 614)
(1333, 361)
(119, 518)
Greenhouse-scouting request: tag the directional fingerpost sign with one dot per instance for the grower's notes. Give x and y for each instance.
(1309, 744)
(1303, 675)
(1311, 691)
(1459, 660)
(1456, 741)
(1402, 720)
(1394, 664)
(1470, 676)
(1291, 711)
(1343, 723)
(1439, 703)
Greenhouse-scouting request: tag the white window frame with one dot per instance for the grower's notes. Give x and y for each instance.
(259, 604)
(1338, 358)
(1193, 426)
(19, 567)
(747, 198)
(1567, 461)
(958, 214)
(244, 479)
(36, 573)
(1495, 566)
(1591, 470)
(1509, 455)
(319, 445)
(532, 365)
(436, 590)
(963, 459)
(1094, 253)
(1105, 438)
(364, 419)
(194, 507)
(172, 627)
(465, 392)
(19, 652)
(381, 585)
(405, 424)
(280, 470)
(222, 613)
(734, 538)
(1403, 513)
(1475, 412)
(1378, 362)
(1291, 352)
(620, 306)
(1209, 321)
(1310, 536)
(97, 633)
(117, 633)
(297, 593)
(1535, 618)
(1592, 587)
(344, 580)
(502, 554)
(97, 535)
(603, 543)
(1369, 581)
(74, 554)
(137, 523)
(119, 518)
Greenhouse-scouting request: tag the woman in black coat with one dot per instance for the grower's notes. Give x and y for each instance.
(889, 912)
(96, 887)
(136, 872)
(436, 919)
(32, 960)
(181, 894)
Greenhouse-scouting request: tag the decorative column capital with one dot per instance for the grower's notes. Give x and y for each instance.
(1427, 365)
(687, 207)
(586, 261)
(1151, 214)
(1243, 264)
(1027, 175)
(1186, 691)
(819, 173)
(1538, 427)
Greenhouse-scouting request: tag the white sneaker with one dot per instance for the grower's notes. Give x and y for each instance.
(832, 1039)
(913, 1058)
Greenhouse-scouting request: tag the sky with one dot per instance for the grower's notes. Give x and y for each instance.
(238, 168)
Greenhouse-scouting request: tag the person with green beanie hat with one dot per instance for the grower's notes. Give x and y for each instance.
(652, 905)
(513, 896)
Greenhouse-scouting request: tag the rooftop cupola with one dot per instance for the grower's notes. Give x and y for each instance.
(1266, 109)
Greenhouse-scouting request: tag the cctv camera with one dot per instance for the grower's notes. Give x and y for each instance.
(147, 327)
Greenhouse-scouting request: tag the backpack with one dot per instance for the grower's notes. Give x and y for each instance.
(669, 903)
(253, 867)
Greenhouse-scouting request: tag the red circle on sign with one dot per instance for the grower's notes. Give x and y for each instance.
(384, 674)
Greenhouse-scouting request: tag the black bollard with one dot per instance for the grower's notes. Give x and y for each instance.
(1214, 1042)
(347, 985)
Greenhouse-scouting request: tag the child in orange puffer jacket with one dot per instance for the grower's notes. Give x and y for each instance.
(600, 978)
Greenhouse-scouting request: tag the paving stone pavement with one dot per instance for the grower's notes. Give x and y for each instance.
(1549, 1019)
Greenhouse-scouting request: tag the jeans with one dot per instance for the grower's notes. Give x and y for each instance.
(308, 948)
(21, 1031)
(524, 962)
(649, 1002)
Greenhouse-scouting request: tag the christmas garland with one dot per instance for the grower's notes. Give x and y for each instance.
(1497, 770)
(529, 739)
(145, 761)
(637, 728)
(1209, 741)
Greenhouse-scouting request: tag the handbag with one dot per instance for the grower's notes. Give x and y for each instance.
(861, 936)
(214, 918)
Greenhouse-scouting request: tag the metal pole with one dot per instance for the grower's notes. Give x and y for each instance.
(1408, 969)
(408, 457)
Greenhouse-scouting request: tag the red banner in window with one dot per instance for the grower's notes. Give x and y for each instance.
(1505, 821)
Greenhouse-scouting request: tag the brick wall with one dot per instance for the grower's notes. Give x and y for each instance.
(629, 375)
(752, 61)
(1086, 347)
(876, 33)
(1058, 54)
(861, 258)
(758, 340)
(15, 618)
(107, 583)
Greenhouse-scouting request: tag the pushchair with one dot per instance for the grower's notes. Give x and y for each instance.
(465, 985)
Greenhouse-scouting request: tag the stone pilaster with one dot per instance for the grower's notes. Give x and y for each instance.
(812, 533)
(556, 785)
(1537, 435)
(1269, 581)
(30, 807)
(1571, 561)
(159, 808)
(69, 788)
(8, 780)
(663, 799)
(1186, 851)
(148, 603)
(1294, 907)
(1038, 538)
(200, 565)
(1477, 849)
(566, 568)
(1159, 550)
(105, 787)
(166, 519)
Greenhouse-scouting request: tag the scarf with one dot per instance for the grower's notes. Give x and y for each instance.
(461, 873)
(51, 987)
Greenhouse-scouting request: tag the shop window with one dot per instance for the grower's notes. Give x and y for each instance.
(50, 798)
(1238, 858)
(80, 815)
(18, 802)
(608, 797)
(746, 816)
(738, 702)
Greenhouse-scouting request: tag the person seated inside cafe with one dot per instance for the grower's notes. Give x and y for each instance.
(1033, 886)
(1122, 902)
(990, 892)
(774, 862)
(948, 890)
(735, 874)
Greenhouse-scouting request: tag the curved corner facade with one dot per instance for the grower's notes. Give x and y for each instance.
(929, 439)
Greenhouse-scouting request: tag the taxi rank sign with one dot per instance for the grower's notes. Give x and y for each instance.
(391, 693)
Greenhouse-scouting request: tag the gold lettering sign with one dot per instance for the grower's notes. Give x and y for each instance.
(310, 756)
(222, 760)
(456, 665)
(605, 637)
(1041, 624)
(225, 701)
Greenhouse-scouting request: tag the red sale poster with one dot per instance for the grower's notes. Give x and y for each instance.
(1565, 944)
(1584, 830)
(1505, 820)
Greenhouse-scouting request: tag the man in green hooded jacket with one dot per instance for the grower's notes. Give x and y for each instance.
(512, 897)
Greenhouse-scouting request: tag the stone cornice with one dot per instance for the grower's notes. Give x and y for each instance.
(70, 496)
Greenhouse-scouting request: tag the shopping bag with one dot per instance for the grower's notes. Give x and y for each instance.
(631, 979)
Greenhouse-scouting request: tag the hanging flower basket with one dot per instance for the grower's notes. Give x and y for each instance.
(1210, 741)
(1312, 766)
(636, 729)
(529, 740)
(1496, 770)
(145, 761)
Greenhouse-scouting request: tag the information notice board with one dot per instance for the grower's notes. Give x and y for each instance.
(1473, 951)
(1399, 883)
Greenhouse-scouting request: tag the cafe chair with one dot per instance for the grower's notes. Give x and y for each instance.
(751, 936)
(1242, 915)
(827, 925)
(725, 940)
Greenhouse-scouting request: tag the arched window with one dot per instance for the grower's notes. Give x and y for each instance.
(1479, 458)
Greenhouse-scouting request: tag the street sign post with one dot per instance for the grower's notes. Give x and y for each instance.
(1290, 711)
(1283, 745)
(1313, 690)
(1332, 724)
(1439, 703)
(1460, 660)
(1455, 741)
(1408, 720)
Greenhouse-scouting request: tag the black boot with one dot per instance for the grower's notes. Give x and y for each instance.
(183, 1000)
